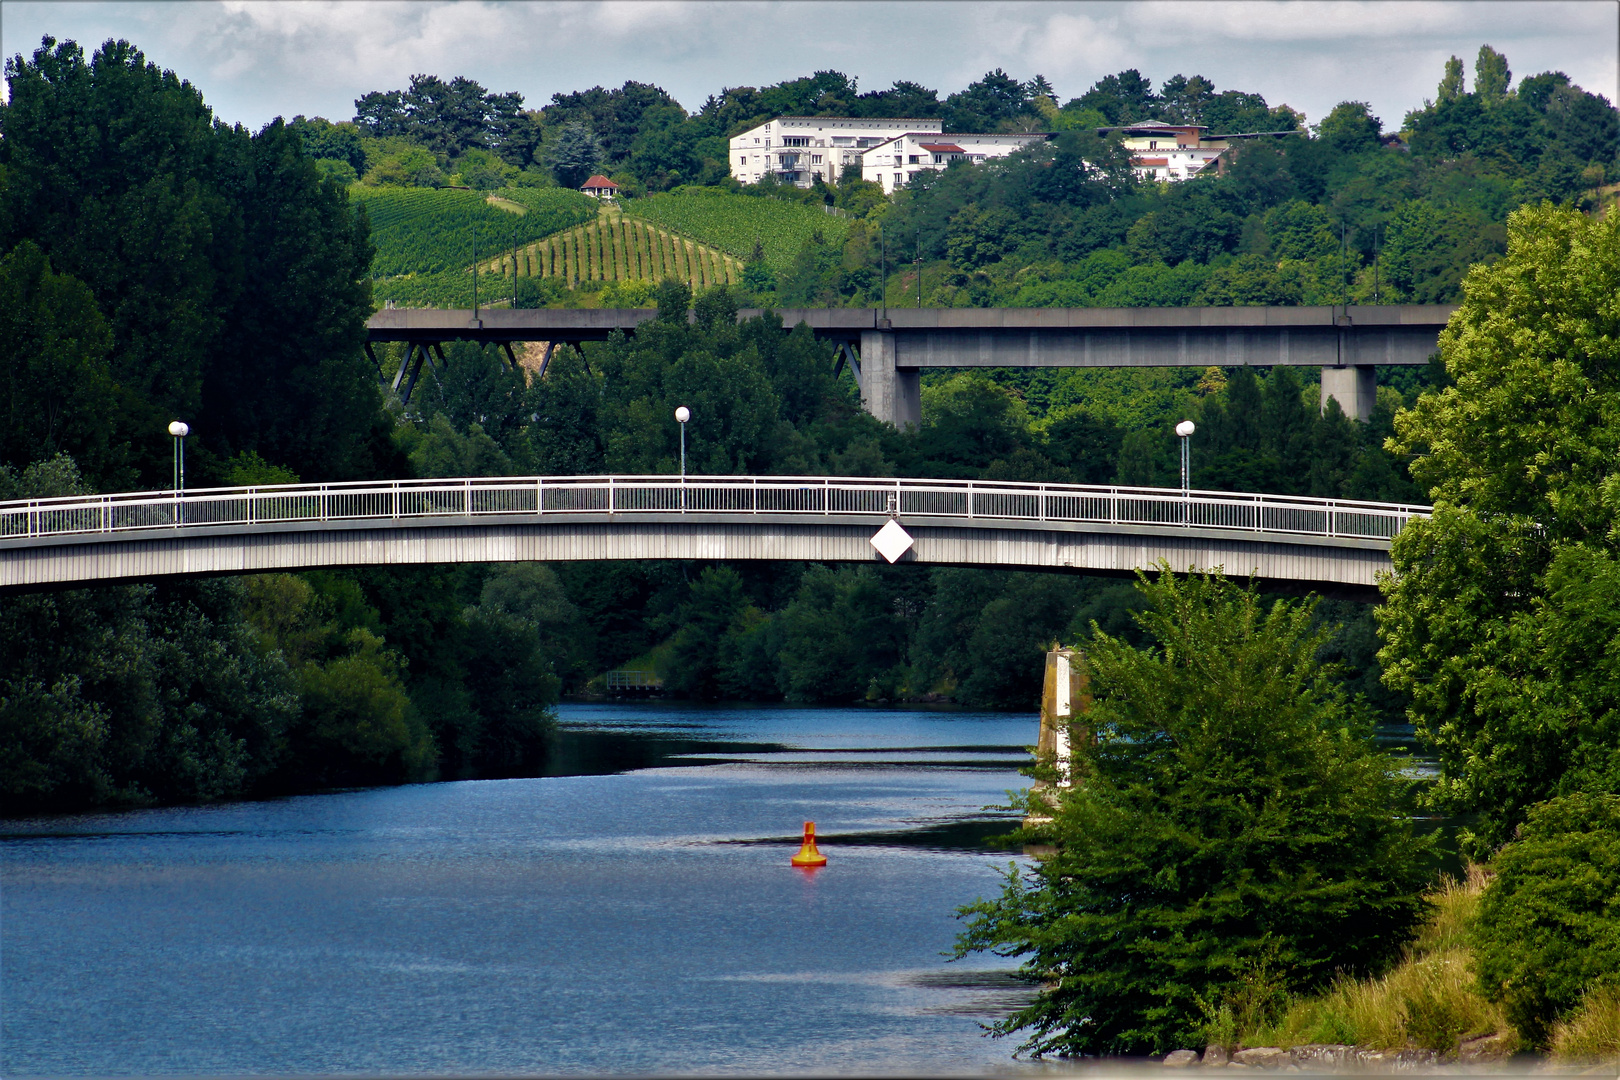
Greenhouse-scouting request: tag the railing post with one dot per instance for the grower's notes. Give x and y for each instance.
(611, 494)
(970, 498)
(755, 493)
(539, 495)
(106, 514)
(1043, 502)
(466, 498)
(826, 497)
(394, 491)
(326, 511)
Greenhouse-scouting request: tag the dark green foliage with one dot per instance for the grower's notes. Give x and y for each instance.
(451, 117)
(136, 694)
(1549, 921)
(574, 154)
(54, 377)
(1505, 605)
(231, 276)
(1230, 821)
(988, 104)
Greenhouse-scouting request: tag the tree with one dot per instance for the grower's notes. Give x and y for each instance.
(55, 385)
(573, 155)
(1491, 74)
(1499, 611)
(1549, 921)
(1231, 818)
(1350, 128)
(1124, 98)
(985, 105)
(1451, 83)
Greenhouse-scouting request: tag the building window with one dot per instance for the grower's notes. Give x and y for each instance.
(897, 180)
(815, 159)
(916, 159)
(795, 140)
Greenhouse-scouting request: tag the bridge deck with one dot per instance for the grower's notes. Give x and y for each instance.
(1103, 529)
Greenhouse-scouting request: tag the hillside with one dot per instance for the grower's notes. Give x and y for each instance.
(735, 223)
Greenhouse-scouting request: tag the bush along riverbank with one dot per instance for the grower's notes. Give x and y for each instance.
(1432, 1009)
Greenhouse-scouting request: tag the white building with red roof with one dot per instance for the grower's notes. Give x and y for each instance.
(803, 149)
(896, 162)
(599, 187)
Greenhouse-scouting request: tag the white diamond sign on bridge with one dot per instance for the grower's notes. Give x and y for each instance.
(892, 541)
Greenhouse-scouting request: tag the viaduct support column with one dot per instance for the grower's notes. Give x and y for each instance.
(888, 392)
(1355, 386)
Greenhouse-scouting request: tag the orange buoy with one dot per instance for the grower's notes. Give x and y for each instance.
(808, 855)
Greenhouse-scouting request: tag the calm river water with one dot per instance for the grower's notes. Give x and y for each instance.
(635, 913)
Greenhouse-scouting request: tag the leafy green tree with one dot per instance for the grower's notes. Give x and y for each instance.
(1548, 928)
(716, 603)
(1494, 597)
(1451, 84)
(840, 634)
(1350, 128)
(1491, 74)
(1230, 819)
(987, 104)
(573, 154)
(54, 378)
(359, 725)
(1124, 98)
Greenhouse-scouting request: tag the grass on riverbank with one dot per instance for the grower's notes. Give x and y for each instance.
(1592, 1032)
(1429, 1000)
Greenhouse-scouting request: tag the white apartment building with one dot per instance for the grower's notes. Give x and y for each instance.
(1161, 151)
(802, 149)
(895, 162)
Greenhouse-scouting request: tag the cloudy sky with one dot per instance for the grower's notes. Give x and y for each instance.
(255, 60)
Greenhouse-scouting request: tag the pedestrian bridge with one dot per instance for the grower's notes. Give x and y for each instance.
(1335, 546)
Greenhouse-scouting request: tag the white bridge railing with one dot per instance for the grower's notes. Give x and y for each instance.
(823, 497)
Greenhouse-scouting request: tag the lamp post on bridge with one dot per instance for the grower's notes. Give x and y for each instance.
(682, 415)
(1185, 430)
(179, 429)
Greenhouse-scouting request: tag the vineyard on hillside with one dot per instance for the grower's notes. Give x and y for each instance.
(424, 241)
(428, 231)
(734, 223)
(615, 248)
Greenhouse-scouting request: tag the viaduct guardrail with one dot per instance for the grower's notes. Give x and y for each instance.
(222, 530)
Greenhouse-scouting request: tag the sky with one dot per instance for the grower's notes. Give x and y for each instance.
(255, 60)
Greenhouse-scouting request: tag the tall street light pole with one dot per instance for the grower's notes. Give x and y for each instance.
(1185, 430)
(179, 429)
(682, 415)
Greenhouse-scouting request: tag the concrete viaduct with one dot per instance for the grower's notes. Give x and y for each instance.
(888, 348)
(1334, 546)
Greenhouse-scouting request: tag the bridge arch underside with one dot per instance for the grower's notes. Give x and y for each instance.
(1342, 567)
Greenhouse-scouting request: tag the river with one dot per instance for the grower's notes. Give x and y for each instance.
(634, 913)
